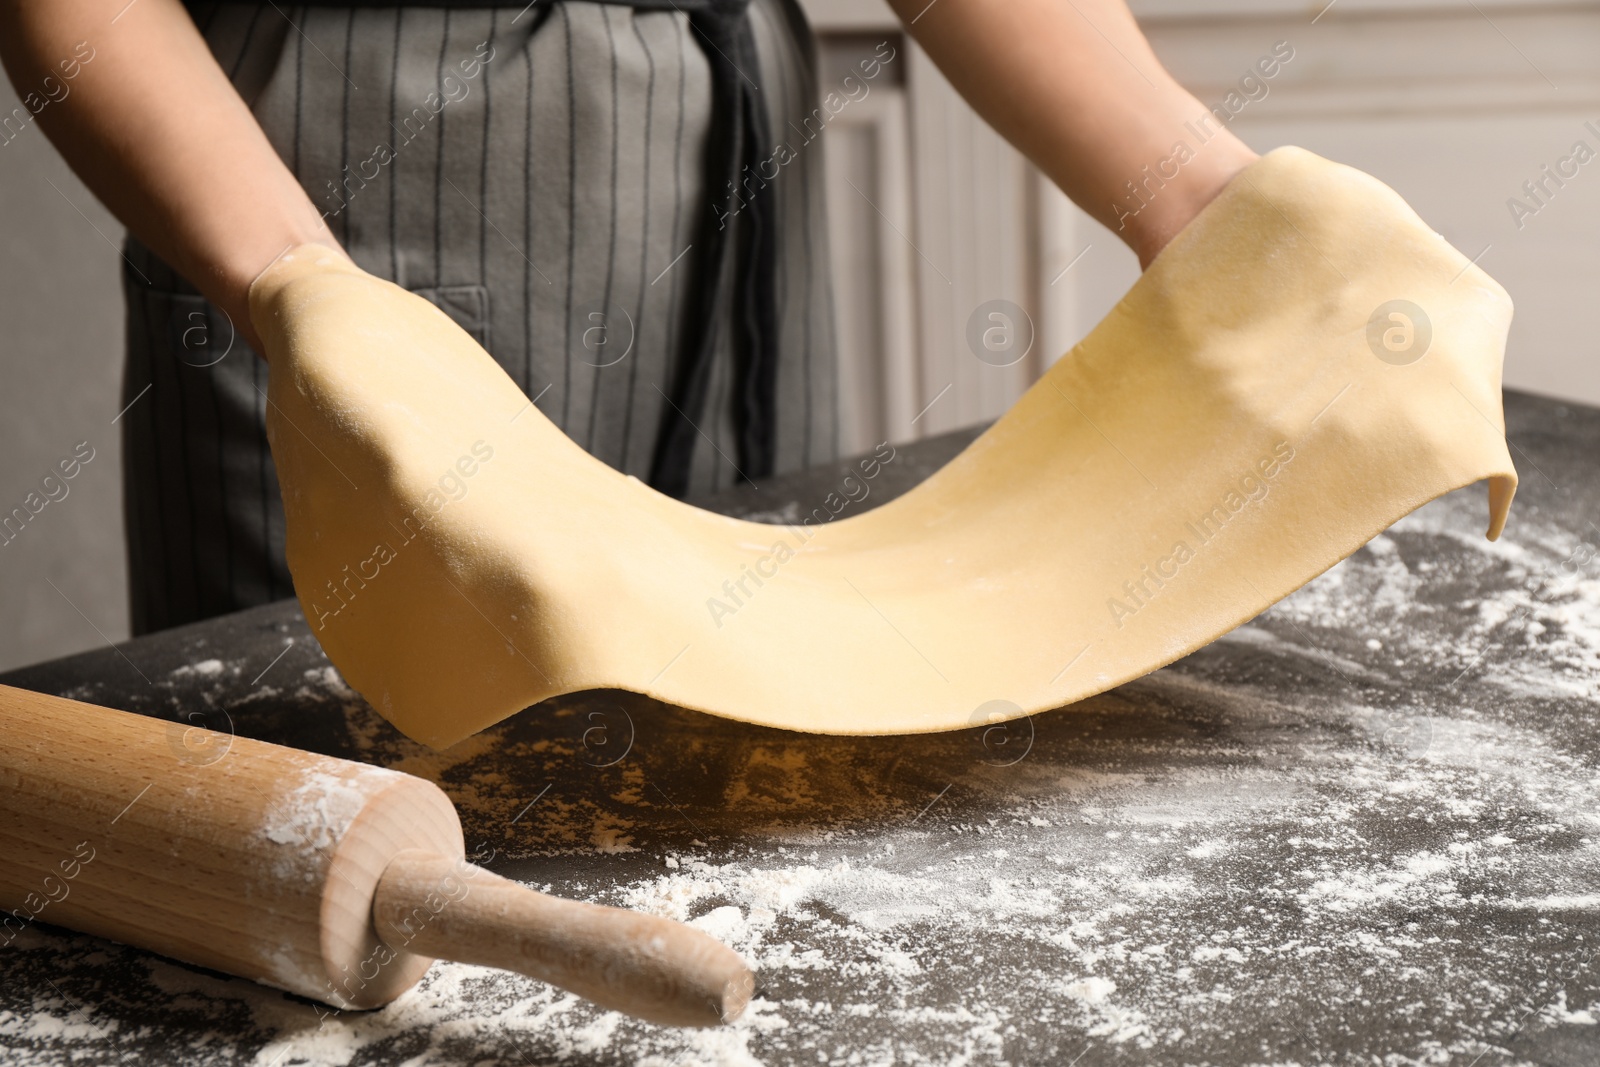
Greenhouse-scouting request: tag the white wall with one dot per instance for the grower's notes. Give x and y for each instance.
(63, 576)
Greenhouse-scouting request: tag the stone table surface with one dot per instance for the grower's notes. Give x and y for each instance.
(1359, 829)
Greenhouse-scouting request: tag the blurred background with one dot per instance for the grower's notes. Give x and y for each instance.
(1455, 103)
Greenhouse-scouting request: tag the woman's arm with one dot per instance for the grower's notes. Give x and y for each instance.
(155, 129)
(1074, 85)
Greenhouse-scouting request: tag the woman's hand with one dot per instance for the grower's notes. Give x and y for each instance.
(1075, 86)
(156, 130)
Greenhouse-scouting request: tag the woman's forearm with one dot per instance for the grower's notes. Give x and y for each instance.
(155, 129)
(1074, 85)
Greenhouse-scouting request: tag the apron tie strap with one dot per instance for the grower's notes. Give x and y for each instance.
(740, 134)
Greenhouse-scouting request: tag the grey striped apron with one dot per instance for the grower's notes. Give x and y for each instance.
(546, 176)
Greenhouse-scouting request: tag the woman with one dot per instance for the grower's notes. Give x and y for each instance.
(568, 179)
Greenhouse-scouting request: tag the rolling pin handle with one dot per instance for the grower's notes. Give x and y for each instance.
(645, 965)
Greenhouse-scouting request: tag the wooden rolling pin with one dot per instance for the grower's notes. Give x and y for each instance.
(331, 879)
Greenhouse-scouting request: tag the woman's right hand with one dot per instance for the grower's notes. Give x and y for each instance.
(137, 105)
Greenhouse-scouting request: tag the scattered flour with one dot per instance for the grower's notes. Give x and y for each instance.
(1394, 866)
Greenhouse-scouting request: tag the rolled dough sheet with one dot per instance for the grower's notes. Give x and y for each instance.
(1248, 415)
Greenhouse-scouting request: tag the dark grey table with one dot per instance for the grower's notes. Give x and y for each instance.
(1360, 829)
